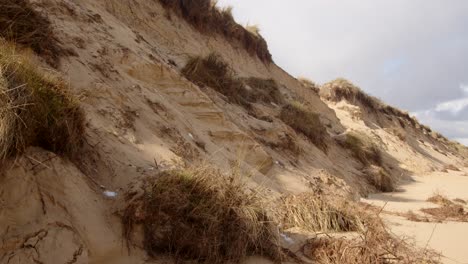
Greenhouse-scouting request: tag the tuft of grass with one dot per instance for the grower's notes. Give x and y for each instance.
(306, 122)
(264, 90)
(206, 17)
(439, 199)
(21, 24)
(447, 210)
(309, 84)
(363, 150)
(375, 245)
(370, 244)
(318, 213)
(200, 214)
(35, 108)
(380, 179)
(214, 72)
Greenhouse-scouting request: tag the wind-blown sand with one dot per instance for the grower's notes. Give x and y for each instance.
(448, 238)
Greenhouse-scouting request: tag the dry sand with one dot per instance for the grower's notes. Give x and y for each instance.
(448, 238)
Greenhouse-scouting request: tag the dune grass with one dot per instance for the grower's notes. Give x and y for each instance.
(212, 71)
(306, 122)
(365, 238)
(206, 17)
(22, 24)
(35, 108)
(264, 90)
(318, 213)
(363, 150)
(200, 214)
(309, 84)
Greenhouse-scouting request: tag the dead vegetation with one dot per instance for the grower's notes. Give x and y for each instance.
(213, 72)
(365, 240)
(200, 214)
(369, 155)
(362, 149)
(304, 121)
(448, 210)
(207, 18)
(318, 213)
(375, 245)
(309, 84)
(22, 24)
(35, 108)
(264, 90)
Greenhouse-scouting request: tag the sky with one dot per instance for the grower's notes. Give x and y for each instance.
(412, 54)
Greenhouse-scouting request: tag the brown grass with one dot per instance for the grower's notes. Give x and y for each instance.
(20, 23)
(448, 210)
(35, 108)
(309, 84)
(317, 213)
(363, 149)
(264, 90)
(371, 243)
(380, 179)
(453, 212)
(439, 199)
(213, 72)
(306, 122)
(200, 214)
(209, 19)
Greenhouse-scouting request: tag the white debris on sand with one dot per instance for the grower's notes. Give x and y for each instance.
(286, 238)
(110, 194)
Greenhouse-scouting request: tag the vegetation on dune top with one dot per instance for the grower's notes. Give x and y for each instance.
(206, 17)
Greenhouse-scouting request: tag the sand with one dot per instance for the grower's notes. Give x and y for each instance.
(448, 238)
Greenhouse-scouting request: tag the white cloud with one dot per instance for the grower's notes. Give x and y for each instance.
(453, 106)
(464, 88)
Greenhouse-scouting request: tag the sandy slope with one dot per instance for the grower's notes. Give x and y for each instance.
(449, 238)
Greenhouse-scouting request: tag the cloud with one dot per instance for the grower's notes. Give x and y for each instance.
(412, 54)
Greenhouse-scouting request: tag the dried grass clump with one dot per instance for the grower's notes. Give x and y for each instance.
(306, 122)
(363, 149)
(370, 244)
(200, 214)
(35, 109)
(375, 245)
(264, 90)
(213, 72)
(448, 210)
(206, 17)
(309, 84)
(453, 212)
(23, 25)
(318, 213)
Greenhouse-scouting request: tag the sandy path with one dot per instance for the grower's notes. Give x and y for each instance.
(449, 238)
